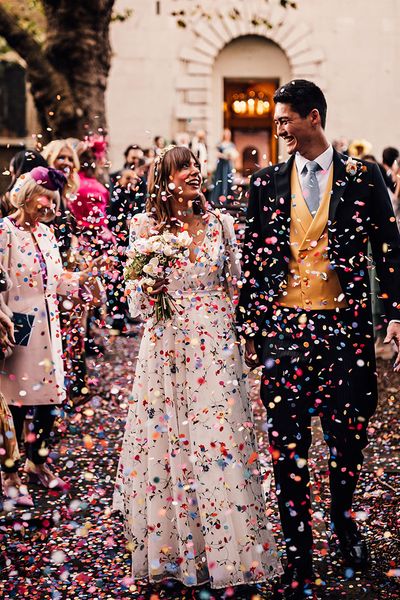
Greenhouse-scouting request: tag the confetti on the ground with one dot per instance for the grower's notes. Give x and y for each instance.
(71, 546)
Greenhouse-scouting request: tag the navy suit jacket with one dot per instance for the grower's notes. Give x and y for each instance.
(360, 212)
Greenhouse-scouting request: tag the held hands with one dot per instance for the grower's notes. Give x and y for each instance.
(393, 333)
(100, 265)
(250, 354)
(89, 280)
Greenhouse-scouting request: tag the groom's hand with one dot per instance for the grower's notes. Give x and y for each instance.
(393, 333)
(250, 354)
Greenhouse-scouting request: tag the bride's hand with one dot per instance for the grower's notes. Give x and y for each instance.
(158, 287)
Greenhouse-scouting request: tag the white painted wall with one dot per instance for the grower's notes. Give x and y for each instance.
(358, 41)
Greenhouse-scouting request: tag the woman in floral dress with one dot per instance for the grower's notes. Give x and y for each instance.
(189, 482)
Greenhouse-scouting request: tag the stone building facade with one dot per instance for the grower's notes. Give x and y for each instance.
(167, 78)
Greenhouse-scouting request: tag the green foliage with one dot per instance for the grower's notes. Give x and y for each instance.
(35, 5)
(121, 16)
(134, 266)
(4, 47)
(235, 14)
(183, 17)
(29, 14)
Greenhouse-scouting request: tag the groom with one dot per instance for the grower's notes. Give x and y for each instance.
(305, 311)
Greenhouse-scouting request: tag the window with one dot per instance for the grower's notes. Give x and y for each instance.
(12, 100)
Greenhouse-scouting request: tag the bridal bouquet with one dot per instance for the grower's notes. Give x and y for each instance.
(153, 258)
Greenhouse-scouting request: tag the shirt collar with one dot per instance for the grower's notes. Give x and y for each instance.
(324, 160)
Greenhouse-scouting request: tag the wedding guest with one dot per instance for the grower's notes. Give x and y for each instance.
(341, 144)
(305, 311)
(189, 482)
(389, 156)
(61, 155)
(9, 452)
(6, 324)
(89, 208)
(223, 177)
(149, 156)
(182, 139)
(159, 144)
(199, 148)
(10, 455)
(390, 161)
(22, 162)
(95, 238)
(382, 350)
(359, 148)
(127, 200)
(32, 378)
(132, 155)
(386, 177)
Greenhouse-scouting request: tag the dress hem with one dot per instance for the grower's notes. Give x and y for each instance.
(201, 583)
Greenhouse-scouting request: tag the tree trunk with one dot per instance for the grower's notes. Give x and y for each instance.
(78, 46)
(68, 75)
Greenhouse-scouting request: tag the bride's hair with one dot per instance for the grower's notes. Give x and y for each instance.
(171, 160)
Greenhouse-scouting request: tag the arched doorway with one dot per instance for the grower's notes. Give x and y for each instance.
(245, 75)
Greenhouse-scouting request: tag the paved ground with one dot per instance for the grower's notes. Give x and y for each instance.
(70, 547)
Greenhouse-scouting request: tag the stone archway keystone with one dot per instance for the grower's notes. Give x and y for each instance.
(193, 87)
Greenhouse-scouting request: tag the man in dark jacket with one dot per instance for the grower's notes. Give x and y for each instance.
(128, 198)
(305, 311)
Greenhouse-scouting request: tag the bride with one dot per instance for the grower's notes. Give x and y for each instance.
(189, 482)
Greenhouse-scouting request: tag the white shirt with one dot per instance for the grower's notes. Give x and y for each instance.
(325, 162)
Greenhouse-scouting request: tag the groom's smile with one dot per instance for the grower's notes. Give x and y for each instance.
(295, 130)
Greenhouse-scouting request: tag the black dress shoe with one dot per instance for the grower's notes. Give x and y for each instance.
(296, 583)
(353, 548)
(93, 349)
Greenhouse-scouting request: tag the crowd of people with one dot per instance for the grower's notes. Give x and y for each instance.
(65, 231)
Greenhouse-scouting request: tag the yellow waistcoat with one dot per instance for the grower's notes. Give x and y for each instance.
(312, 283)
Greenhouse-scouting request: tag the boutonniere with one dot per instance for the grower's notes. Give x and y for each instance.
(354, 167)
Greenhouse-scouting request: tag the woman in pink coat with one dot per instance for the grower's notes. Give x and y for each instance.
(33, 376)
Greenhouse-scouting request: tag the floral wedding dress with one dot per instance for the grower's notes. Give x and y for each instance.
(189, 482)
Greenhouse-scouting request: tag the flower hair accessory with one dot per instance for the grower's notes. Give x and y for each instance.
(49, 178)
(160, 157)
(165, 150)
(98, 145)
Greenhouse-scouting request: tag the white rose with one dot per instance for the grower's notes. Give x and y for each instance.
(168, 237)
(157, 246)
(152, 268)
(168, 251)
(141, 246)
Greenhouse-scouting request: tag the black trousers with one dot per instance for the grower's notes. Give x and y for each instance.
(74, 352)
(43, 421)
(315, 364)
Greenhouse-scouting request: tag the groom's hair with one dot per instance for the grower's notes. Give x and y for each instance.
(303, 96)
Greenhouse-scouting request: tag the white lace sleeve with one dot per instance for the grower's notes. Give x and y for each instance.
(140, 305)
(232, 255)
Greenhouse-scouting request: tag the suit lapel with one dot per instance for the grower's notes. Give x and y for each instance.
(340, 181)
(282, 186)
